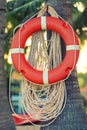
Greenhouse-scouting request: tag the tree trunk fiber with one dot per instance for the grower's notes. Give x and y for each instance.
(6, 122)
(73, 117)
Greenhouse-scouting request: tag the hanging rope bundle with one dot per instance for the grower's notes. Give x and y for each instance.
(44, 103)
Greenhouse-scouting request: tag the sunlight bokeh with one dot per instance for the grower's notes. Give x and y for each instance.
(82, 62)
(79, 6)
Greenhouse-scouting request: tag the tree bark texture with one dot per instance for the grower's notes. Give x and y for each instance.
(73, 117)
(6, 121)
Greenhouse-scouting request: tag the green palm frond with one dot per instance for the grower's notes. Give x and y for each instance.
(19, 11)
(26, 7)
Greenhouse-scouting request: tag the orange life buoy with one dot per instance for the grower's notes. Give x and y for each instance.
(69, 61)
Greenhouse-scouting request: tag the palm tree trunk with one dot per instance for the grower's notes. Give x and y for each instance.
(6, 122)
(73, 117)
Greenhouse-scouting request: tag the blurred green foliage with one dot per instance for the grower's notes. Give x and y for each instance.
(82, 78)
(79, 9)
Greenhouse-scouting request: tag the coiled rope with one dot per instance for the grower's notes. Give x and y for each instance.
(44, 103)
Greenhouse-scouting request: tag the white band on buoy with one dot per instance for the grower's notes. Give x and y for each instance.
(45, 77)
(17, 50)
(72, 47)
(43, 23)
